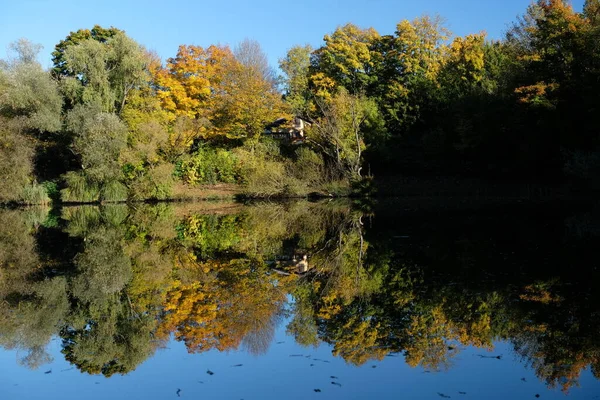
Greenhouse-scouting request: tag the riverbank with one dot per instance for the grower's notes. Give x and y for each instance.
(417, 189)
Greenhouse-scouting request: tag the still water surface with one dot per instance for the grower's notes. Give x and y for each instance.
(300, 300)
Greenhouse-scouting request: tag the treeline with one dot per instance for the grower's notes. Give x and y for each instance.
(524, 107)
(110, 121)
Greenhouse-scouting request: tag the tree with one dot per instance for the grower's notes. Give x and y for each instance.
(410, 63)
(346, 60)
(340, 132)
(247, 101)
(250, 54)
(103, 72)
(98, 140)
(16, 162)
(188, 88)
(27, 92)
(30, 108)
(464, 68)
(296, 66)
(97, 33)
(189, 82)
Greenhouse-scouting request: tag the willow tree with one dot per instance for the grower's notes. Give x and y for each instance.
(97, 74)
(98, 140)
(30, 107)
(103, 73)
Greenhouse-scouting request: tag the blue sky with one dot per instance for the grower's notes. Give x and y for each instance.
(278, 25)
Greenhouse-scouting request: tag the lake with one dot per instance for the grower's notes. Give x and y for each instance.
(404, 298)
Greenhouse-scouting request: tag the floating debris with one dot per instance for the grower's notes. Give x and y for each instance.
(334, 377)
(445, 396)
(237, 365)
(496, 357)
(208, 371)
(524, 380)
(178, 392)
(296, 355)
(336, 384)
(317, 390)
(48, 372)
(373, 366)
(68, 369)
(280, 343)
(462, 392)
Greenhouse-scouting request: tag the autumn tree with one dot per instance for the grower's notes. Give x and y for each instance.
(345, 60)
(249, 99)
(146, 167)
(409, 65)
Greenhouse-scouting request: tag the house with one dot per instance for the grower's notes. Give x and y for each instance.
(292, 131)
(295, 264)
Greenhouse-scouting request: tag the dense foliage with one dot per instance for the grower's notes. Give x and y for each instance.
(110, 121)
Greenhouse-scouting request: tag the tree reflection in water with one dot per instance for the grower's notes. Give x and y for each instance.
(115, 283)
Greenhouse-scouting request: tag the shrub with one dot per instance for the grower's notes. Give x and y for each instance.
(151, 182)
(309, 167)
(209, 166)
(35, 193)
(79, 189)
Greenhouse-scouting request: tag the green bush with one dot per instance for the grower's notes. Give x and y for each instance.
(52, 190)
(309, 167)
(209, 166)
(35, 193)
(149, 182)
(79, 189)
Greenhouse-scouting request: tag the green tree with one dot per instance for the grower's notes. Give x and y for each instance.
(98, 139)
(103, 72)
(27, 92)
(97, 33)
(340, 131)
(296, 67)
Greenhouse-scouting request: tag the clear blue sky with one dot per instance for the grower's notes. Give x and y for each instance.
(278, 25)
